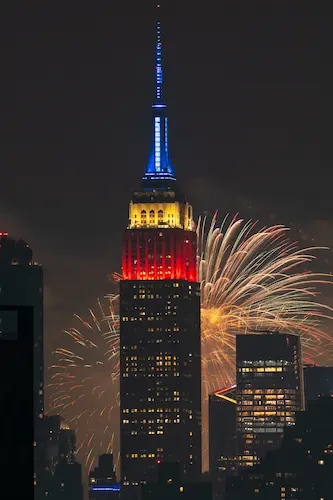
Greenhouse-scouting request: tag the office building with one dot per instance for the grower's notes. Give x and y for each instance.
(16, 400)
(67, 483)
(222, 438)
(55, 446)
(160, 369)
(269, 391)
(102, 480)
(170, 486)
(57, 441)
(21, 284)
(318, 381)
(302, 469)
(67, 444)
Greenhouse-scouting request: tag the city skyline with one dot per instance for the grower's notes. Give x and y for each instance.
(168, 351)
(132, 214)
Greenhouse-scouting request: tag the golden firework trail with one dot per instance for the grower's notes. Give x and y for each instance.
(251, 280)
(85, 381)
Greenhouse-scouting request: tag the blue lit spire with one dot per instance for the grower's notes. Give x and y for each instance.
(159, 166)
(159, 72)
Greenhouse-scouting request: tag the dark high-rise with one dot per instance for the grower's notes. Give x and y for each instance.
(222, 438)
(21, 284)
(302, 469)
(68, 481)
(160, 372)
(269, 391)
(58, 442)
(318, 381)
(55, 449)
(102, 480)
(170, 486)
(16, 401)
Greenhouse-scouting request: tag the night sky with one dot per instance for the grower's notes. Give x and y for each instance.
(249, 98)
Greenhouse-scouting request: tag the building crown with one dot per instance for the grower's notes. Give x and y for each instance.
(159, 166)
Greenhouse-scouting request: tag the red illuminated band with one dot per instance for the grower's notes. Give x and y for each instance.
(155, 254)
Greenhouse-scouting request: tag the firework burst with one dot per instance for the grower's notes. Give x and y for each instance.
(251, 280)
(85, 381)
(255, 280)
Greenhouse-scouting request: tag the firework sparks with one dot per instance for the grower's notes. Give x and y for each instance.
(251, 280)
(85, 382)
(254, 280)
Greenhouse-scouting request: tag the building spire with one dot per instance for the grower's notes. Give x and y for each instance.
(159, 165)
(159, 71)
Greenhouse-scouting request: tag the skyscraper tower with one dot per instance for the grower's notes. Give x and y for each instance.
(160, 370)
(222, 438)
(269, 391)
(318, 382)
(102, 480)
(16, 400)
(21, 284)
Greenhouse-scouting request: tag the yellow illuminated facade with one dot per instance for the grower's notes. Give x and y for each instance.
(173, 214)
(269, 391)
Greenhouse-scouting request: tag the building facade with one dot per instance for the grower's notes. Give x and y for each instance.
(302, 469)
(21, 284)
(222, 438)
(318, 381)
(68, 482)
(16, 401)
(269, 391)
(160, 369)
(102, 480)
(170, 486)
(55, 450)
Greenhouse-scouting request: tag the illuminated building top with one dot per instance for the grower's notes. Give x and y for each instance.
(159, 314)
(159, 165)
(159, 203)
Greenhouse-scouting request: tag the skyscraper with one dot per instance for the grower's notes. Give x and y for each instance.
(21, 284)
(302, 469)
(160, 372)
(102, 480)
(222, 438)
(55, 448)
(269, 391)
(170, 486)
(16, 401)
(318, 381)
(68, 481)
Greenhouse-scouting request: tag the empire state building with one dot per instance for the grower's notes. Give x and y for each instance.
(160, 368)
